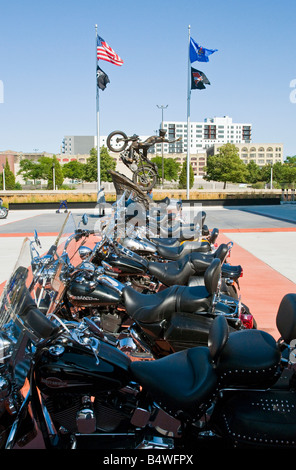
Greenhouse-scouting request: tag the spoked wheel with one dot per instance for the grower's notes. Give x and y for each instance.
(117, 141)
(145, 177)
(3, 212)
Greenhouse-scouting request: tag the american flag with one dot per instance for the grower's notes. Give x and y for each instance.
(105, 52)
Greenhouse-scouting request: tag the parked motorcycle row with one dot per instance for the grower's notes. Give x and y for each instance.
(120, 338)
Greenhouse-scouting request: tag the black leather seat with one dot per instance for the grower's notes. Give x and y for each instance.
(192, 264)
(252, 357)
(175, 253)
(180, 381)
(151, 308)
(184, 380)
(174, 272)
(180, 231)
(165, 241)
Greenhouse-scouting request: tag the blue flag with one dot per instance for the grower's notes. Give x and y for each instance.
(199, 53)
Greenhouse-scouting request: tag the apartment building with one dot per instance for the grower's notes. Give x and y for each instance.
(217, 130)
(262, 153)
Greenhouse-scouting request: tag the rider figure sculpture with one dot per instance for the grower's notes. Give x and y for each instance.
(144, 146)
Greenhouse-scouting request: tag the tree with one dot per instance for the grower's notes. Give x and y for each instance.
(91, 166)
(290, 161)
(9, 177)
(226, 166)
(277, 172)
(183, 176)
(170, 166)
(288, 174)
(253, 172)
(30, 170)
(73, 170)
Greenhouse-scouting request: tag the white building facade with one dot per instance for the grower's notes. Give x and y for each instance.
(217, 130)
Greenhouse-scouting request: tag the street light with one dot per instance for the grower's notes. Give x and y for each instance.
(162, 107)
(53, 175)
(3, 177)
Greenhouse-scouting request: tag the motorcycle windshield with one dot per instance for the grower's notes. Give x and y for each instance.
(16, 335)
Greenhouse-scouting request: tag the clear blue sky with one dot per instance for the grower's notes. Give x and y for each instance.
(48, 66)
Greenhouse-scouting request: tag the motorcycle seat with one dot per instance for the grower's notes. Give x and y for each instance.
(186, 379)
(192, 264)
(175, 253)
(180, 381)
(249, 357)
(174, 272)
(152, 308)
(179, 230)
(165, 241)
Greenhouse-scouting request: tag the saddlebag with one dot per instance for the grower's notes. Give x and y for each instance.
(257, 418)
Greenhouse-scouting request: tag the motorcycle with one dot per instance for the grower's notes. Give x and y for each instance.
(3, 210)
(145, 172)
(84, 393)
(149, 275)
(152, 324)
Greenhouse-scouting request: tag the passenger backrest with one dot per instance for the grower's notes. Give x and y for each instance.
(214, 235)
(218, 336)
(286, 318)
(221, 252)
(212, 276)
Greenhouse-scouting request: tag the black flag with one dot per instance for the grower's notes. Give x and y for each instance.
(102, 78)
(198, 80)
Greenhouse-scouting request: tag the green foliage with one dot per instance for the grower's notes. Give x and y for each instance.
(107, 163)
(29, 170)
(42, 169)
(290, 161)
(170, 166)
(73, 170)
(183, 176)
(9, 177)
(253, 172)
(226, 166)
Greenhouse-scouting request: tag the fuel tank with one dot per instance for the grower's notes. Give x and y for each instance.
(126, 265)
(136, 244)
(70, 367)
(87, 293)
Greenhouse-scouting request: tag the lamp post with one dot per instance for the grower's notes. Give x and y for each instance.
(162, 107)
(53, 175)
(3, 177)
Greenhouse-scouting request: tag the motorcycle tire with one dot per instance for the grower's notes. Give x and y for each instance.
(117, 137)
(3, 212)
(145, 177)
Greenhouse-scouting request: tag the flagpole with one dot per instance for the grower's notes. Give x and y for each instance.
(188, 119)
(98, 122)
